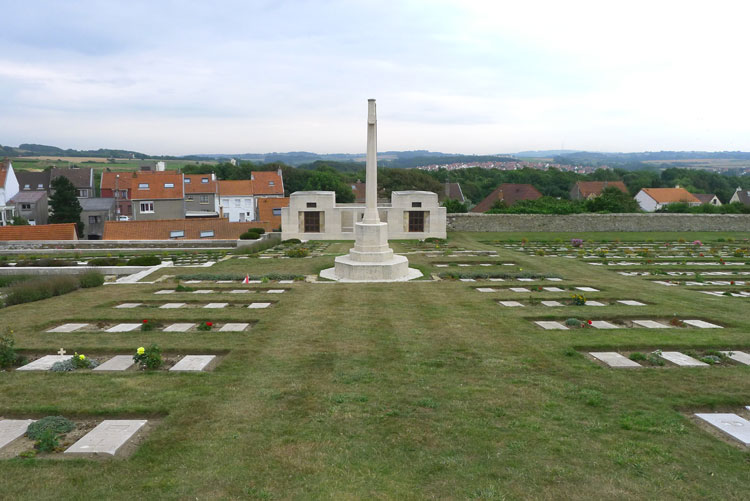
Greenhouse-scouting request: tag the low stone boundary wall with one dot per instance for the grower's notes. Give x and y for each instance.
(598, 222)
(71, 270)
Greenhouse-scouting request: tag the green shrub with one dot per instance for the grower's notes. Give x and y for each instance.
(259, 231)
(149, 325)
(48, 441)
(148, 358)
(45, 263)
(434, 240)
(298, 252)
(292, 241)
(7, 280)
(41, 288)
(183, 288)
(91, 279)
(205, 326)
(105, 261)
(56, 424)
(250, 235)
(636, 356)
(144, 261)
(8, 356)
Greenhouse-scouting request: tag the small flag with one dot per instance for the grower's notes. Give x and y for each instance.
(247, 279)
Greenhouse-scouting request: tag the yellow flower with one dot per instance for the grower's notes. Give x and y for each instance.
(82, 357)
(141, 350)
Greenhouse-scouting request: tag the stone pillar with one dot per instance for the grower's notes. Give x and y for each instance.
(371, 194)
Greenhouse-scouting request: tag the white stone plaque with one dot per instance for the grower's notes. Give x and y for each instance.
(510, 303)
(68, 328)
(233, 327)
(193, 363)
(738, 356)
(116, 364)
(546, 325)
(107, 438)
(681, 359)
(45, 363)
(731, 424)
(650, 324)
(11, 429)
(614, 359)
(254, 306)
(702, 325)
(179, 327)
(123, 328)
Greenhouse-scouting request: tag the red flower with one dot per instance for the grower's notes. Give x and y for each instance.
(590, 322)
(145, 321)
(732, 282)
(209, 324)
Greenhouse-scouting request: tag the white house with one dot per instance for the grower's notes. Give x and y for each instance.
(315, 215)
(238, 200)
(653, 199)
(8, 189)
(741, 196)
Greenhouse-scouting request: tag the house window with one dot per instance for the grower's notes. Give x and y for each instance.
(95, 219)
(248, 202)
(204, 180)
(83, 193)
(277, 212)
(188, 198)
(143, 186)
(311, 205)
(237, 202)
(25, 206)
(169, 185)
(25, 186)
(40, 186)
(207, 234)
(270, 183)
(204, 199)
(177, 234)
(416, 204)
(147, 207)
(187, 180)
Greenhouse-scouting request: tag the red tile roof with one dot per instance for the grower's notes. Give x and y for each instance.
(510, 194)
(196, 184)
(360, 191)
(110, 180)
(62, 231)
(242, 187)
(595, 188)
(670, 195)
(267, 183)
(160, 186)
(192, 228)
(4, 172)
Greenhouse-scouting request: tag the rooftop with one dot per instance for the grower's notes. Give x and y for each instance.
(62, 231)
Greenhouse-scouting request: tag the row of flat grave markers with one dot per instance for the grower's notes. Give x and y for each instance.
(467, 265)
(236, 281)
(106, 438)
(130, 327)
(522, 279)
(232, 291)
(706, 273)
(172, 306)
(516, 304)
(648, 324)
(524, 289)
(618, 361)
(119, 363)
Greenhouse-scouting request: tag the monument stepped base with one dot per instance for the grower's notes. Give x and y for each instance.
(395, 269)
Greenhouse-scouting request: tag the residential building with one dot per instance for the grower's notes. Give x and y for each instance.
(452, 191)
(741, 196)
(8, 189)
(117, 185)
(81, 177)
(584, 190)
(509, 194)
(315, 215)
(269, 210)
(32, 206)
(96, 211)
(157, 195)
(34, 180)
(236, 201)
(267, 183)
(178, 229)
(359, 189)
(707, 198)
(653, 199)
(201, 195)
(62, 231)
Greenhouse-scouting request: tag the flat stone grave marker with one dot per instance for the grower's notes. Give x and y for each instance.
(238, 327)
(255, 281)
(116, 364)
(203, 291)
(553, 279)
(123, 328)
(603, 324)
(240, 291)
(497, 280)
(171, 306)
(128, 305)
(731, 424)
(702, 325)
(681, 359)
(553, 289)
(45, 363)
(286, 281)
(276, 291)
(547, 325)
(668, 284)
(650, 324)
(587, 289)
(179, 327)
(552, 303)
(225, 281)
(67, 327)
(594, 303)
(192, 281)
(259, 305)
(107, 438)
(216, 305)
(614, 359)
(485, 289)
(11, 429)
(193, 363)
(738, 356)
(165, 291)
(510, 303)
(630, 302)
(463, 265)
(485, 264)
(519, 289)
(525, 279)
(467, 280)
(441, 265)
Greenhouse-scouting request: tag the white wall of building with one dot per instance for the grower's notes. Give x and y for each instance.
(647, 203)
(8, 191)
(238, 208)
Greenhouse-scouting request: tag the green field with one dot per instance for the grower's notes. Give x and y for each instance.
(394, 391)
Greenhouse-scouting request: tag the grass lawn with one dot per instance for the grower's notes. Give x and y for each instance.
(393, 391)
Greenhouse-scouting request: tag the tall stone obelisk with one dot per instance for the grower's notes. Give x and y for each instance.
(371, 260)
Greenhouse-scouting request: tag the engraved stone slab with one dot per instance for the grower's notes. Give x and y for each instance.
(738, 356)
(276, 291)
(286, 281)
(216, 305)
(510, 303)
(203, 291)
(594, 303)
(165, 291)
(178, 328)
(485, 289)
(233, 327)
(171, 306)
(551, 325)
(603, 324)
(67, 328)
(650, 324)
(525, 279)
(193, 281)
(731, 424)
(107, 437)
(497, 280)
(553, 279)
(467, 280)
(681, 359)
(45, 363)
(11, 429)
(553, 289)
(614, 359)
(259, 305)
(240, 291)
(702, 325)
(225, 281)
(463, 265)
(123, 328)
(193, 363)
(519, 289)
(116, 363)
(552, 303)
(128, 305)
(630, 302)
(587, 289)
(441, 265)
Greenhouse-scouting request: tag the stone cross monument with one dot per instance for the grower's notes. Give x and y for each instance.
(371, 260)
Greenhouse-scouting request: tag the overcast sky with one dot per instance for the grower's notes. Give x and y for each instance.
(181, 77)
